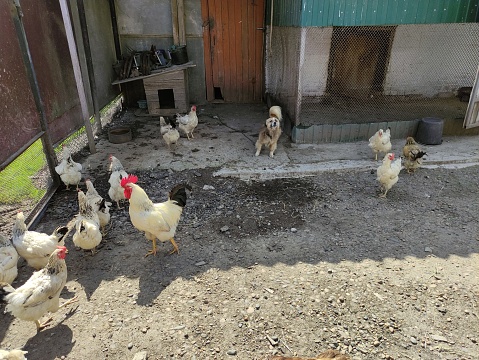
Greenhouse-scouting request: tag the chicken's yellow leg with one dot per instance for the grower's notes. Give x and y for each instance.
(71, 301)
(152, 251)
(47, 321)
(175, 247)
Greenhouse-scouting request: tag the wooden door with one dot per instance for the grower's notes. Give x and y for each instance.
(233, 34)
(358, 61)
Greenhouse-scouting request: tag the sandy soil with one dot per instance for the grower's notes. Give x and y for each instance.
(284, 266)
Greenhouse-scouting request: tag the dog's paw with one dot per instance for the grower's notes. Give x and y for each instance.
(271, 155)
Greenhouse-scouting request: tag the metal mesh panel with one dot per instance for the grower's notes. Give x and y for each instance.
(343, 75)
(23, 184)
(27, 181)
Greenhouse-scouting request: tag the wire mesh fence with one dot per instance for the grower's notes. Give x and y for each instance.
(26, 182)
(357, 74)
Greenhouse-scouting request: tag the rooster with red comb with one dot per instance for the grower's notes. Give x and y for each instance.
(158, 221)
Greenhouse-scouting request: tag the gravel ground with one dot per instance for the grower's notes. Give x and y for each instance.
(277, 267)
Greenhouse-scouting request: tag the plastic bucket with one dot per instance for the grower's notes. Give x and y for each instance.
(142, 104)
(179, 55)
(429, 131)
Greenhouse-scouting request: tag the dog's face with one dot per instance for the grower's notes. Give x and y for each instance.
(272, 123)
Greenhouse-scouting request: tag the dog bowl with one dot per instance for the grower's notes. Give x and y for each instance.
(119, 135)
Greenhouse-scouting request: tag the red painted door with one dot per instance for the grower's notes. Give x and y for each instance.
(233, 40)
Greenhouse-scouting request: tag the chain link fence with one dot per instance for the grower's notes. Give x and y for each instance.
(342, 75)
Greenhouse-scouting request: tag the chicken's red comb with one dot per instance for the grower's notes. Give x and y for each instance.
(61, 247)
(129, 179)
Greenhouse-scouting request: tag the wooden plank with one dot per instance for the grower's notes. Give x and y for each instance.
(181, 22)
(174, 20)
(205, 16)
(226, 87)
(233, 46)
(251, 50)
(77, 73)
(244, 54)
(172, 68)
(218, 69)
(258, 48)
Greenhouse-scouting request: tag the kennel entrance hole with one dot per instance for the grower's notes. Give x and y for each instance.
(166, 98)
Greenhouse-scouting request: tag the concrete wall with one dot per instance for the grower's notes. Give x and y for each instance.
(314, 71)
(142, 23)
(432, 60)
(102, 46)
(282, 66)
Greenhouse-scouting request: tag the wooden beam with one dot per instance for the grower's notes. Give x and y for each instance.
(174, 20)
(77, 71)
(181, 22)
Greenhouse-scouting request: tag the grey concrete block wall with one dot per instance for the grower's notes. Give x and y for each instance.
(327, 133)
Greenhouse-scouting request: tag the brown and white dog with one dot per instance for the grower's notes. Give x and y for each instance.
(270, 132)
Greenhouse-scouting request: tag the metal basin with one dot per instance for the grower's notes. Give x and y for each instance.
(119, 135)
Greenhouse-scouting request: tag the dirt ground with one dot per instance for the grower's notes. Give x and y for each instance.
(288, 266)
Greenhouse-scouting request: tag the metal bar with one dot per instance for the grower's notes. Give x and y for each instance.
(17, 153)
(89, 62)
(17, 15)
(114, 25)
(77, 71)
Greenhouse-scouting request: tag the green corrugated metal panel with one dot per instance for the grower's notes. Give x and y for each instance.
(285, 12)
(375, 12)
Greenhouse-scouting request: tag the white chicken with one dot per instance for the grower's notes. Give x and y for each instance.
(380, 142)
(116, 192)
(169, 132)
(87, 225)
(388, 172)
(36, 247)
(69, 170)
(187, 123)
(41, 293)
(158, 221)
(98, 204)
(8, 261)
(15, 354)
